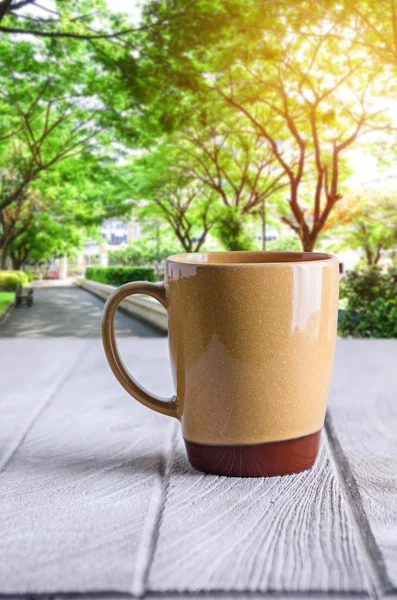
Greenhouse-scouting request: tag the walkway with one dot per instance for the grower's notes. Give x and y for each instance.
(68, 312)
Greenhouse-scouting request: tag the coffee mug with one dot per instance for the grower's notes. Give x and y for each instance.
(252, 338)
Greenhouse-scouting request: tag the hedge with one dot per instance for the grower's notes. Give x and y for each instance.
(120, 275)
(371, 310)
(10, 279)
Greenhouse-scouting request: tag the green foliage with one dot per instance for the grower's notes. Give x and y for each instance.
(168, 71)
(366, 220)
(46, 237)
(229, 230)
(230, 101)
(170, 195)
(119, 275)
(55, 156)
(30, 275)
(285, 243)
(78, 19)
(142, 251)
(10, 279)
(371, 304)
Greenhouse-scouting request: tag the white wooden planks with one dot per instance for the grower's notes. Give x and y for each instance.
(289, 534)
(89, 475)
(30, 377)
(362, 424)
(80, 497)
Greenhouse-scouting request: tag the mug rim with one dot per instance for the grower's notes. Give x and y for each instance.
(286, 258)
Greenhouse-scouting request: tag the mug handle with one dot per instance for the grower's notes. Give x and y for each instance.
(157, 291)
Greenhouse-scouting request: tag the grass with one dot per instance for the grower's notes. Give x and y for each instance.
(5, 298)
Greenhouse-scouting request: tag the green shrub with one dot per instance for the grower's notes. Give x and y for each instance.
(371, 298)
(143, 252)
(230, 229)
(119, 275)
(30, 275)
(10, 279)
(285, 243)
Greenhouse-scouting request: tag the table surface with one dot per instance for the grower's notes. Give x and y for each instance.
(97, 497)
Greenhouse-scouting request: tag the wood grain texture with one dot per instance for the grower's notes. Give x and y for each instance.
(287, 534)
(89, 475)
(80, 497)
(29, 380)
(362, 425)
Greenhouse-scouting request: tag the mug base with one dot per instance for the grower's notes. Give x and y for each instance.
(255, 460)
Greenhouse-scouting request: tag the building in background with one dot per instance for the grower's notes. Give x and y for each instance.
(113, 235)
(118, 233)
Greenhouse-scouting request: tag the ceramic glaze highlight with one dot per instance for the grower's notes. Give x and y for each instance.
(252, 337)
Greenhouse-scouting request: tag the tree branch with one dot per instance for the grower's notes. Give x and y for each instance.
(86, 36)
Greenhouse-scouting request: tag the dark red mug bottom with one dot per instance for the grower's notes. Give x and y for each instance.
(255, 460)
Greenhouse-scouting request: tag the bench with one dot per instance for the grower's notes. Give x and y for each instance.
(23, 295)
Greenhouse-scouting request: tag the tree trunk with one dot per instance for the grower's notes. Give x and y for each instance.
(5, 6)
(4, 255)
(308, 242)
(368, 256)
(201, 241)
(16, 263)
(378, 254)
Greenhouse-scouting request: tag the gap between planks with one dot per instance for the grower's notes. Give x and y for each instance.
(153, 518)
(40, 407)
(377, 576)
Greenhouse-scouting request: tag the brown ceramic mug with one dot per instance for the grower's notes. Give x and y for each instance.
(252, 337)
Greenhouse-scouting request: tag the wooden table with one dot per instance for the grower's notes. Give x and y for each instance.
(97, 497)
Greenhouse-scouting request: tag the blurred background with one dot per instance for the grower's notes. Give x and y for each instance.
(130, 131)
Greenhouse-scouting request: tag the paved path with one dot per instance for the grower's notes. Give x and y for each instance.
(68, 312)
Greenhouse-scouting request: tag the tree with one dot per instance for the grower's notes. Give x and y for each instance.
(174, 196)
(376, 21)
(310, 111)
(15, 221)
(235, 164)
(68, 203)
(23, 163)
(240, 105)
(51, 115)
(45, 237)
(302, 79)
(367, 220)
